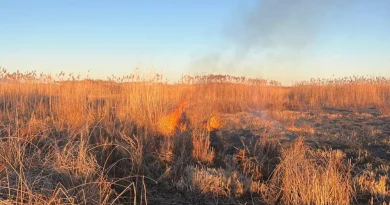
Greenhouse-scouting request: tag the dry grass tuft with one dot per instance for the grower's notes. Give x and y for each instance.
(377, 187)
(305, 177)
(303, 129)
(74, 159)
(201, 147)
(248, 165)
(215, 182)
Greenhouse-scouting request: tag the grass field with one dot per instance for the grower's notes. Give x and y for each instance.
(209, 139)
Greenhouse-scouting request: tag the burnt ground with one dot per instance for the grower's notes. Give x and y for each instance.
(364, 131)
(363, 135)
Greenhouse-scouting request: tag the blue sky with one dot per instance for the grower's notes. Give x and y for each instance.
(175, 37)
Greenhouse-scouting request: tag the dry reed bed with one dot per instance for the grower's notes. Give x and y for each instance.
(66, 140)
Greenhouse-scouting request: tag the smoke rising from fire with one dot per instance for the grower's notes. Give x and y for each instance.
(271, 36)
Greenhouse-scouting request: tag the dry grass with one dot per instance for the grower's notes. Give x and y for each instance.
(67, 140)
(306, 177)
(305, 129)
(216, 182)
(375, 183)
(201, 149)
(367, 182)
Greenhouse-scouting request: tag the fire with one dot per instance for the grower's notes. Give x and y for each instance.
(174, 121)
(213, 123)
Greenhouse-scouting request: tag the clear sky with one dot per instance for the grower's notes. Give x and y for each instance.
(259, 38)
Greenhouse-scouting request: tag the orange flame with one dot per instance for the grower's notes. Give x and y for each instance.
(213, 123)
(174, 121)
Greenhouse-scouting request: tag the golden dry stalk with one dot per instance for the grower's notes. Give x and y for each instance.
(202, 151)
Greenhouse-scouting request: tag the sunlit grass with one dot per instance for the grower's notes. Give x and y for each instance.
(65, 139)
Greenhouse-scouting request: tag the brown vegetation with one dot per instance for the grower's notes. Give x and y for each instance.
(66, 140)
